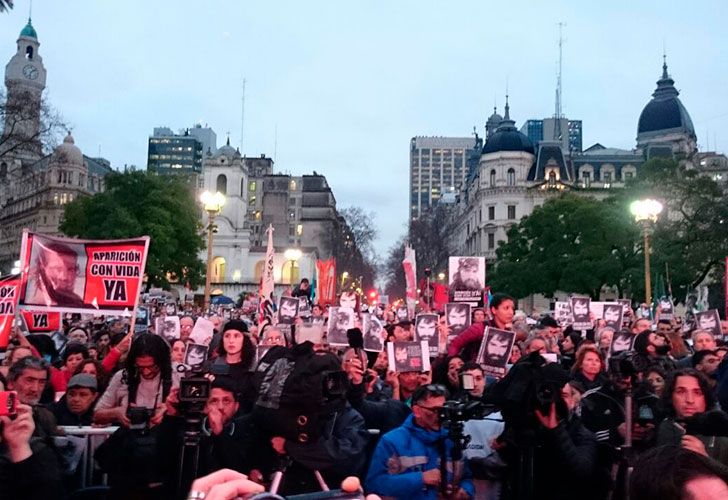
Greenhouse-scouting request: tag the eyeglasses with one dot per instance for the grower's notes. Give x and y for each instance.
(432, 409)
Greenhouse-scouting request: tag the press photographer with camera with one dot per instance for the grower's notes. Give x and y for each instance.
(134, 400)
(693, 416)
(406, 461)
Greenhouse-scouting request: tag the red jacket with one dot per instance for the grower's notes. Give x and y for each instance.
(472, 334)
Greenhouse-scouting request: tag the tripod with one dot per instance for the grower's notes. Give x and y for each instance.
(459, 441)
(189, 455)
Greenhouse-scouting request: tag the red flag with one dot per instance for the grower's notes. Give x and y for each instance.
(9, 293)
(326, 283)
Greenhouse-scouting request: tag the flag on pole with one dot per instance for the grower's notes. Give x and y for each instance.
(267, 282)
(326, 281)
(410, 273)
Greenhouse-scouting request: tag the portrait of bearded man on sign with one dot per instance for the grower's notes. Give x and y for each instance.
(467, 276)
(54, 275)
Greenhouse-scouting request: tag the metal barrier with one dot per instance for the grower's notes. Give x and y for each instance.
(94, 437)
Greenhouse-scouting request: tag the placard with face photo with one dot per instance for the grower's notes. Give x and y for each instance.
(402, 314)
(195, 354)
(287, 310)
(426, 329)
(621, 341)
(374, 333)
(467, 279)
(309, 332)
(666, 309)
(304, 308)
(170, 309)
(167, 327)
(349, 299)
(562, 314)
(406, 357)
(341, 319)
(709, 320)
(203, 331)
(580, 311)
(627, 307)
(457, 318)
(612, 315)
(495, 351)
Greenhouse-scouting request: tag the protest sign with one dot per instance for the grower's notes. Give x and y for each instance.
(495, 351)
(304, 308)
(408, 356)
(580, 311)
(287, 310)
(457, 318)
(203, 331)
(143, 317)
(374, 333)
(562, 314)
(42, 321)
(9, 293)
(621, 341)
(665, 309)
(612, 315)
(340, 320)
(309, 332)
(709, 320)
(426, 329)
(467, 279)
(326, 281)
(167, 327)
(195, 354)
(82, 276)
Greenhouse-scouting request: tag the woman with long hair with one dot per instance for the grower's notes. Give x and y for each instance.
(589, 367)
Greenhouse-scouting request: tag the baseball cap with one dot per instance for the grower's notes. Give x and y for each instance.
(83, 380)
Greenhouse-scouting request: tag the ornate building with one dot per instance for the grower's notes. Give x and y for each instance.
(35, 187)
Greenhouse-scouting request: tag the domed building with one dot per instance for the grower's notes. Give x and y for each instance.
(665, 128)
(35, 187)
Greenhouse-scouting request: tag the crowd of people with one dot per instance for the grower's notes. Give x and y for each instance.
(575, 416)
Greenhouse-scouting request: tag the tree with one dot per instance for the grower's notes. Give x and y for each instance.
(19, 115)
(572, 244)
(137, 203)
(6, 5)
(392, 268)
(351, 243)
(690, 237)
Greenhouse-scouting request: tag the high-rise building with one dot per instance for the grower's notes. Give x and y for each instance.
(182, 153)
(567, 132)
(437, 165)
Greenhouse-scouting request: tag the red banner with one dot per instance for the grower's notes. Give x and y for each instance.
(67, 275)
(42, 321)
(326, 282)
(9, 293)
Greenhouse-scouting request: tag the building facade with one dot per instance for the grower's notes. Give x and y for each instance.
(567, 132)
(170, 153)
(35, 187)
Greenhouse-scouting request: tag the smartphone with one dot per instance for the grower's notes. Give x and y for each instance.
(8, 404)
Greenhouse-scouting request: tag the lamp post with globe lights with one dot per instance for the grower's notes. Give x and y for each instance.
(645, 213)
(212, 203)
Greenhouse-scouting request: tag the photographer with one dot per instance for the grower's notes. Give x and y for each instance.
(406, 461)
(688, 397)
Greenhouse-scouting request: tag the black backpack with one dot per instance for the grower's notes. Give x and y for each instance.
(297, 390)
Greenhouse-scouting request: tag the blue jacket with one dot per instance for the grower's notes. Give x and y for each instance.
(401, 457)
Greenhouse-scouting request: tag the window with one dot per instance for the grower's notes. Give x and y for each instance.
(511, 211)
(218, 270)
(222, 184)
(259, 266)
(491, 213)
(492, 178)
(29, 52)
(292, 215)
(552, 179)
(607, 179)
(586, 179)
(491, 241)
(299, 229)
(251, 186)
(290, 272)
(293, 185)
(242, 186)
(511, 177)
(628, 176)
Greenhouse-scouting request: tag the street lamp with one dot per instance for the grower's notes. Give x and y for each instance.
(212, 203)
(645, 213)
(344, 276)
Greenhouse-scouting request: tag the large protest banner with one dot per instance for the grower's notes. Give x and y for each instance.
(9, 293)
(42, 321)
(81, 276)
(410, 274)
(326, 281)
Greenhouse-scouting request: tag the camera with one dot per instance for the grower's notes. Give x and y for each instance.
(139, 417)
(455, 411)
(547, 393)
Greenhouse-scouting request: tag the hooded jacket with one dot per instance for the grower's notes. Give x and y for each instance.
(401, 457)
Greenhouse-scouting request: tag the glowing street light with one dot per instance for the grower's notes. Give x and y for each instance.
(212, 203)
(645, 212)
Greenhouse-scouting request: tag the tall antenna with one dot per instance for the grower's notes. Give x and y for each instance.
(558, 111)
(275, 144)
(242, 119)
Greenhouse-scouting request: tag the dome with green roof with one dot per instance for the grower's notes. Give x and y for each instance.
(29, 31)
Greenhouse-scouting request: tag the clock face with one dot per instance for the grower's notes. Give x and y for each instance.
(30, 72)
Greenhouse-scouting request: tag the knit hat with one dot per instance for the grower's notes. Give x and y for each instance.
(235, 324)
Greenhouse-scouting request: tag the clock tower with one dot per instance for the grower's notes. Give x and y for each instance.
(25, 79)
